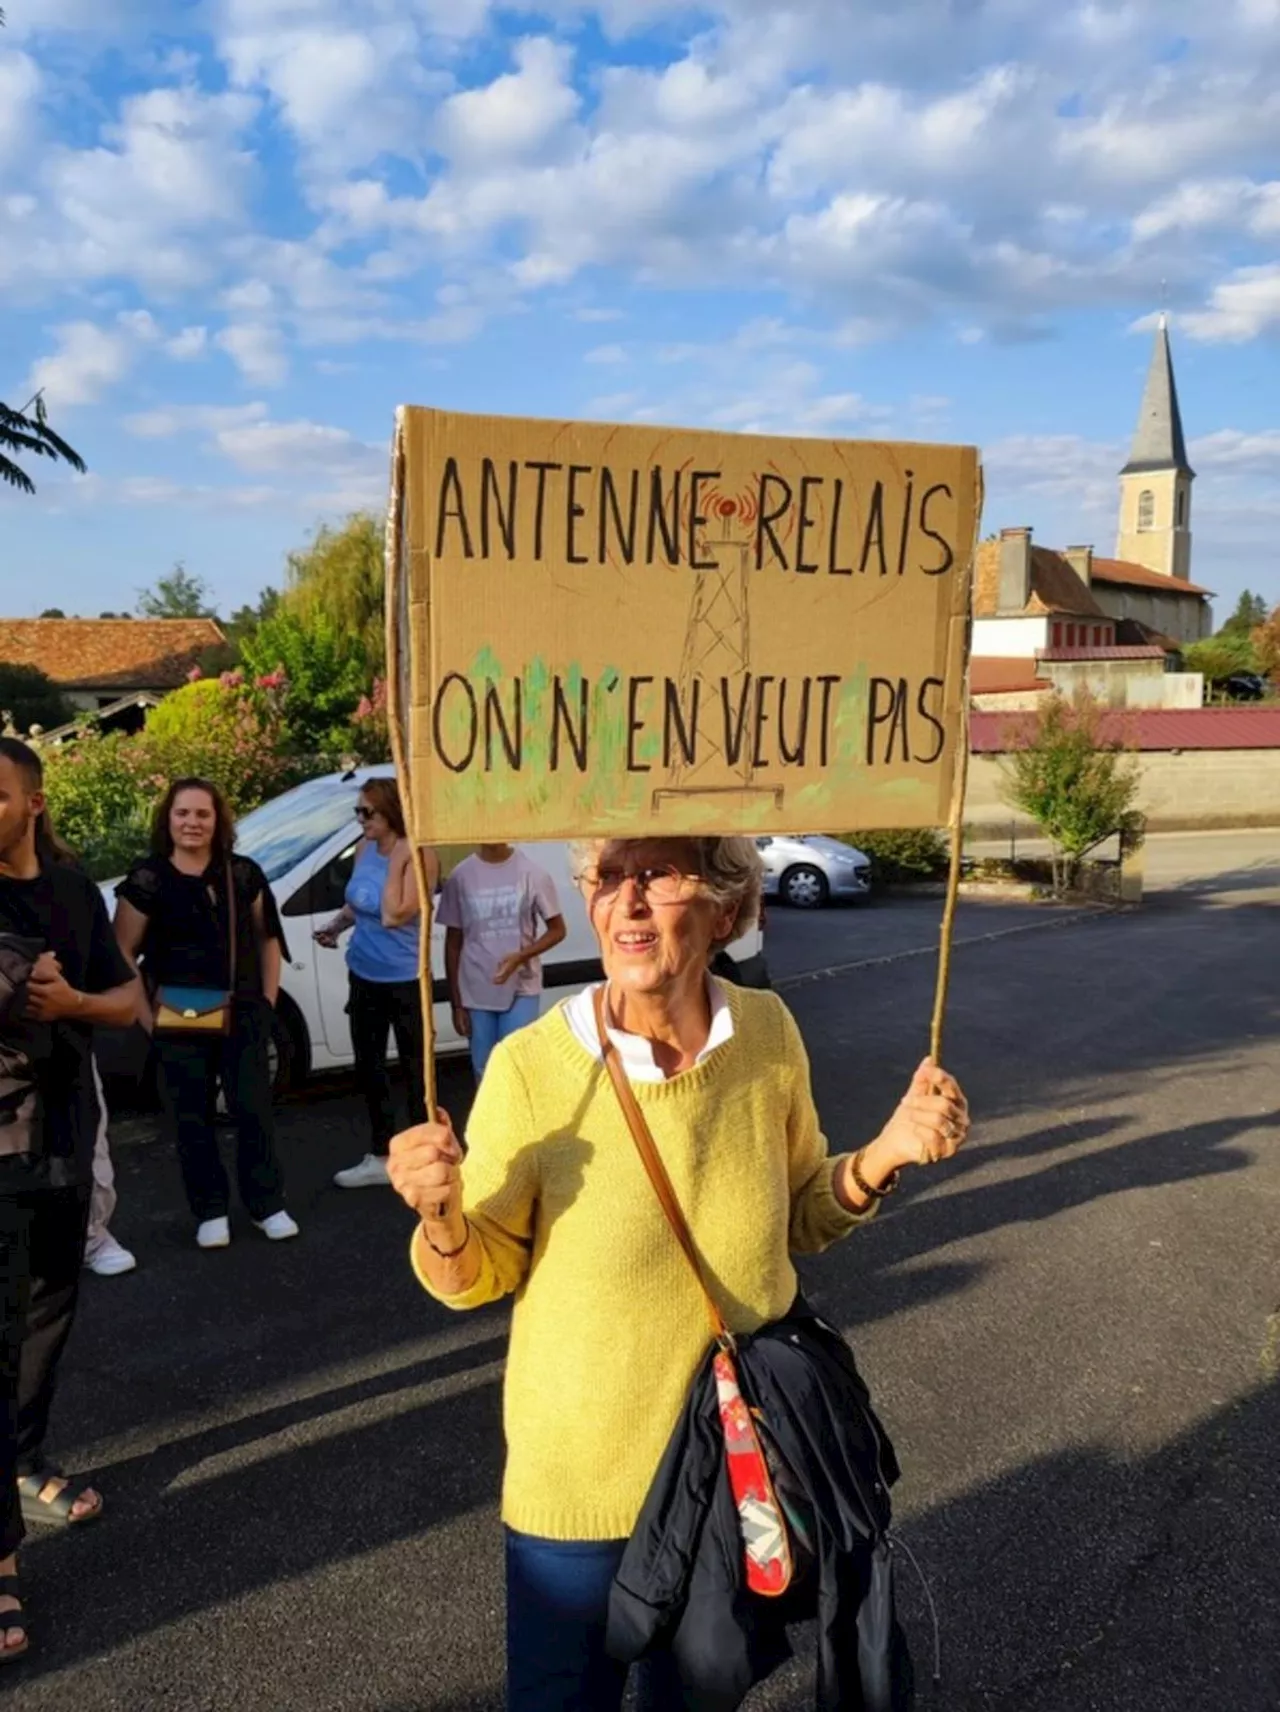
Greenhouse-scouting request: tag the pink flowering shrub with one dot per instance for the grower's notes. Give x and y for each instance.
(103, 790)
(241, 731)
(371, 735)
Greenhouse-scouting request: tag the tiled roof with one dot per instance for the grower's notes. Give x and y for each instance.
(1147, 729)
(109, 653)
(1129, 575)
(1064, 655)
(1133, 634)
(1055, 585)
(988, 676)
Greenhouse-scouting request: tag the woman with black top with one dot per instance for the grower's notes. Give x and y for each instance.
(172, 916)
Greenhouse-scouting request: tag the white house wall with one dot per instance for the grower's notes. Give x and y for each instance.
(1009, 638)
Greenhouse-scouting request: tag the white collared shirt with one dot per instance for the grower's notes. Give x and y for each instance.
(635, 1052)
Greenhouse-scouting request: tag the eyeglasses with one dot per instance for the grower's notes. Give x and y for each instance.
(662, 885)
(364, 813)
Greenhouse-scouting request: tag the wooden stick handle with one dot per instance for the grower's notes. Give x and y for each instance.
(399, 647)
(955, 827)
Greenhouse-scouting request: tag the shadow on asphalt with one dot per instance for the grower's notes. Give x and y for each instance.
(1255, 878)
(1162, 1596)
(892, 1242)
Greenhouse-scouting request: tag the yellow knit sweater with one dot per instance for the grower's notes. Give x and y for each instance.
(608, 1326)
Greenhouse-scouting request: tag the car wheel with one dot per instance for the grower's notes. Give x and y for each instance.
(805, 887)
(288, 1050)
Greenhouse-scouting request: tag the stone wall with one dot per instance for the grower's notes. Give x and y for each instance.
(1197, 788)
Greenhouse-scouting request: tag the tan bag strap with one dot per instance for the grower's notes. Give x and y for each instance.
(657, 1171)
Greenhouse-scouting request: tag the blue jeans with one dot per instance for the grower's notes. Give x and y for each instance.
(557, 1606)
(489, 1027)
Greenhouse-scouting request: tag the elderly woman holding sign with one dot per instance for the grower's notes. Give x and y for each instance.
(552, 1206)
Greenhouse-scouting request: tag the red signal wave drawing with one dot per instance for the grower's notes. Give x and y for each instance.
(729, 508)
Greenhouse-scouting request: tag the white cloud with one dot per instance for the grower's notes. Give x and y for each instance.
(190, 342)
(90, 359)
(139, 205)
(174, 419)
(606, 354)
(1220, 204)
(1243, 306)
(341, 472)
(518, 115)
(1234, 452)
(250, 297)
(257, 350)
(297, 447)
(19, 92)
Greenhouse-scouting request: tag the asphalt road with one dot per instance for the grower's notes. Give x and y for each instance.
(1073, 1333)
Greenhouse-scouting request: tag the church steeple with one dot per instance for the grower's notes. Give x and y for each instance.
(1158, 443)
(1155, 484)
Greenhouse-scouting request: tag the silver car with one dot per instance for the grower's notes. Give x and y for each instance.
(811, 872)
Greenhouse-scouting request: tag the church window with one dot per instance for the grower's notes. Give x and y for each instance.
(1182, 506)
(1146, 509)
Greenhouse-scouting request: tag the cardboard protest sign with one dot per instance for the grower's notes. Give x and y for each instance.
(626, 630)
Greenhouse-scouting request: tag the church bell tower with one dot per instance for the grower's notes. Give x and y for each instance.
(1155, 484)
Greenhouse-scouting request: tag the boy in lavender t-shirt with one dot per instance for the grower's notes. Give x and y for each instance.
(491, 907)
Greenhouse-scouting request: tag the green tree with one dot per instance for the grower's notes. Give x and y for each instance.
(1266, 647)
(1078, 787)
(53, 612)
(340, 577)
(244, 621)
(30, 697)
(1250, 612)
(179, 595)
(1220, 657)
(324, 676)
(102, 789)
(27, 431)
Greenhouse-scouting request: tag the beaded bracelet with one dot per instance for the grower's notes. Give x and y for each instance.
(863, 1187)
(448, 1253)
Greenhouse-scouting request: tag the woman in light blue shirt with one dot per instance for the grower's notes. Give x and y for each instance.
(382, 964)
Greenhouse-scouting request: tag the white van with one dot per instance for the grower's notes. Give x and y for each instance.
(305, 842)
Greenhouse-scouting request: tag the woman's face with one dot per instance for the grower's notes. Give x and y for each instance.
(193, 820)
(651, 914)
(373, 823)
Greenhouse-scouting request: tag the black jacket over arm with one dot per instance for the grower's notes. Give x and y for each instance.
(682, 1580)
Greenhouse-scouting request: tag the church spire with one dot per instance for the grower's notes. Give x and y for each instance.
(1158, 443)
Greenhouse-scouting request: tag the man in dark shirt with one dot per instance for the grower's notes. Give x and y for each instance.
(79, 980)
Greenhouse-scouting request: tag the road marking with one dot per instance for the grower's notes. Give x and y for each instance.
(785, 982)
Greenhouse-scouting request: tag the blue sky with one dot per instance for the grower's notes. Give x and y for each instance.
(235, 234)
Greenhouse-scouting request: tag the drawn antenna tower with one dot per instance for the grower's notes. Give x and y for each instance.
(717, 645)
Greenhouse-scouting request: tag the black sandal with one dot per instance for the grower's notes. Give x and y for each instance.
(54, 1512)
(11, 1588)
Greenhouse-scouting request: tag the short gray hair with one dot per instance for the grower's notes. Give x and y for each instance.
(731, 869)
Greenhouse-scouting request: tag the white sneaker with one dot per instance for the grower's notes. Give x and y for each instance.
(371, 1173)
(214, 1233)
(108, 1258)
(278, 1227)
